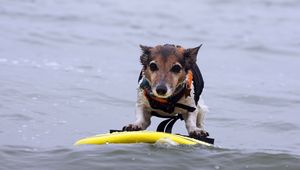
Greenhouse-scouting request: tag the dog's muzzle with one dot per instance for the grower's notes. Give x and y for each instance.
(161, 90)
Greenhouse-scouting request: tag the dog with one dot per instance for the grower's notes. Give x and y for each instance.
(167, 88)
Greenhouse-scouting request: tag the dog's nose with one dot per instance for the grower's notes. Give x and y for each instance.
(161, 90)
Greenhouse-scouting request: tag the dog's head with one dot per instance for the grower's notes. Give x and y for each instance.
(166, 66)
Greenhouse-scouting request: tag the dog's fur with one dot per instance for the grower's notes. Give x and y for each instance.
(159, 64)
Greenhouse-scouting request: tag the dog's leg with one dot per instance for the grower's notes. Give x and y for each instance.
(193, 123)
(200, 119)
(143, 120)
(143, 117)
(202, 109)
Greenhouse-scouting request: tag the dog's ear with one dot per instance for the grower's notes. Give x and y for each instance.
(190, 56)
(145, 55)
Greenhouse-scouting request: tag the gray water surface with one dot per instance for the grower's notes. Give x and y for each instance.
(68, 70)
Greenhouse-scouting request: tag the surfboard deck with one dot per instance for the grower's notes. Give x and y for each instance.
(130, 137)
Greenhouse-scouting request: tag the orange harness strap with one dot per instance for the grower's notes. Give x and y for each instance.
(189, 79)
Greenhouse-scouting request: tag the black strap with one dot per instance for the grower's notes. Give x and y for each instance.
(197, 82)
(161, 127)
(166, 125)
(204, 139)
(170, 125)
(185, 107)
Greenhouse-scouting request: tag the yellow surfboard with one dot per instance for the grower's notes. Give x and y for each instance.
(138, 137)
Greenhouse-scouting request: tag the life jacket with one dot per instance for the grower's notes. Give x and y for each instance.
(168, 105)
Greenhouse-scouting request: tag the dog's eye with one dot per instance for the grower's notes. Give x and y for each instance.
(176, 69)
(153, 67)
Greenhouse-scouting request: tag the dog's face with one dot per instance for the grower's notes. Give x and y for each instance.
(166, 66)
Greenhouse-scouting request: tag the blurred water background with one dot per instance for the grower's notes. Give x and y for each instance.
(68, 70)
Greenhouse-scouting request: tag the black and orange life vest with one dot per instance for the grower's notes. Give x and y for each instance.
(168, 105)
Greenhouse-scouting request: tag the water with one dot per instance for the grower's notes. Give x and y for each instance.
(68, 69)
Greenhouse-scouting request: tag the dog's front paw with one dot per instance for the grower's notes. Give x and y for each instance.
(132, 127)
(198, 133)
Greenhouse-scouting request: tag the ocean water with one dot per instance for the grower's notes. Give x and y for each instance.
(68, 70)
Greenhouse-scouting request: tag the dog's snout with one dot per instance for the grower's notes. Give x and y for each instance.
(161, 89)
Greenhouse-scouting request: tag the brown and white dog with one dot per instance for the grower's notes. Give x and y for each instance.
(166, 87)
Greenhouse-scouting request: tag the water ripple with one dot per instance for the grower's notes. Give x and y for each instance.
(143, 157)
(278, 126)
(263, 100)
(16, 117)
